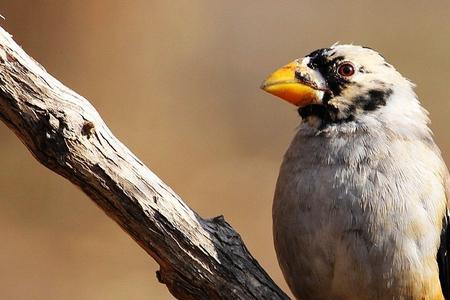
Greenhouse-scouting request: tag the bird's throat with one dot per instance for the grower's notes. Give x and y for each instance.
(327, 115)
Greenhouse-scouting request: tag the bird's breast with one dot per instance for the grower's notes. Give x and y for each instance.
(357, 216)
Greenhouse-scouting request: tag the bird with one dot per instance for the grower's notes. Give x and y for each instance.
(361, 204)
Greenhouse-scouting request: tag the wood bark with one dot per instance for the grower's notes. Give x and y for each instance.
(199, 258)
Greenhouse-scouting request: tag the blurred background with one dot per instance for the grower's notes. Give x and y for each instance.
(178, 83)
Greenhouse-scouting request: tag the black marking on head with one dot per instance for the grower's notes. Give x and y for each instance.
(387, 65)
(329, 114)
(327, 63)
(363, 70)
(321, 60)
(337, 59)
(373, 99)
(318, 59)
(318, 52)
(336, 83)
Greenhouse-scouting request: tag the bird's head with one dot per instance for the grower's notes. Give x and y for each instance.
(338, 83)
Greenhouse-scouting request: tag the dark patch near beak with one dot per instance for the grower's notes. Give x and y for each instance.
(320, 60)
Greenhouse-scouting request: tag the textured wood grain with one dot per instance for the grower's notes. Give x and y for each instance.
(198, 258)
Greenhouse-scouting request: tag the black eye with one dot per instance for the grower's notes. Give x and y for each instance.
(346, 69)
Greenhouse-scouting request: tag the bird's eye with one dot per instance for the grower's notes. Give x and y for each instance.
(346, 69)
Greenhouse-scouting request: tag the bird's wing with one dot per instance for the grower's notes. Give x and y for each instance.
(443, 256)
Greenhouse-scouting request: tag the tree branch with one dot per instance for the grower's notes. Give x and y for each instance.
(198, 258)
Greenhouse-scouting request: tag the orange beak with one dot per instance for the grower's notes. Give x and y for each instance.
(284, 84)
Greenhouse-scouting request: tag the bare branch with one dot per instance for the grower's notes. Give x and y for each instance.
(198, 258)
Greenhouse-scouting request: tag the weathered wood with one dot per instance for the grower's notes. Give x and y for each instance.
(198, 258)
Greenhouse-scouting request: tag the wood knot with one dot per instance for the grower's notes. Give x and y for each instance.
(88, 129)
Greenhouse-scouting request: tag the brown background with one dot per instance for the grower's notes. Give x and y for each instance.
(177, 81)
